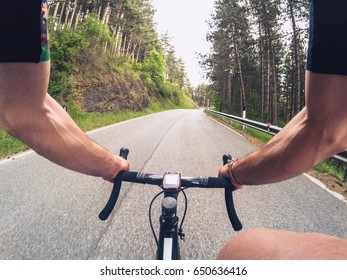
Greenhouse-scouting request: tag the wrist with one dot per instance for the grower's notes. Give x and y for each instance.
(118, 164)
(231, 175)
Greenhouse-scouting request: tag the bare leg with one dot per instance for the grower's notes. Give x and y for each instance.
(269, 244)
(28, 113)
(316, 133)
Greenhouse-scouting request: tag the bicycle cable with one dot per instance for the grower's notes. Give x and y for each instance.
(150, 217)
(180, 231)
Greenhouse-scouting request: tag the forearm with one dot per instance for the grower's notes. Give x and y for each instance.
(283, 158)
(28, 113)
(297, 148)
(315, 134)
(53, 134)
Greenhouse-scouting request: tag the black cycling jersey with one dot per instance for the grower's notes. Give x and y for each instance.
(327, 48)
(23, 31)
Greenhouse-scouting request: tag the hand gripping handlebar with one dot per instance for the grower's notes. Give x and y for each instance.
(115, 191)
(229, 201)
(201, 182)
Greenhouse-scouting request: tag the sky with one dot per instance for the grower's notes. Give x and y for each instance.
(185, 22)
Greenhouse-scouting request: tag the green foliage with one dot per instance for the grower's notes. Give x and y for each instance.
(94, 31)
(171, 92)
(68, 46)
(63, 46)
(332, 167)
(153, 71)
(126, 42)
(206, 96)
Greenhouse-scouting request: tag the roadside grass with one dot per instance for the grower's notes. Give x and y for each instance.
(262, 137)
(90, 121)
(9, 145)
(335, 169)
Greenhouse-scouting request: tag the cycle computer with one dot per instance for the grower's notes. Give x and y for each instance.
(172, 182)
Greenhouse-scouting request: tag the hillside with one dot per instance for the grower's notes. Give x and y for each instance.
(85, 70)
(99, 87)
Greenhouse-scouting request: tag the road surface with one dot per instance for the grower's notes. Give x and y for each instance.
(48, 212)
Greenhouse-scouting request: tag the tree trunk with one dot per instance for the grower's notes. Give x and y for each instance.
(78, 17)
(73, 13)
(67, 14)
(242, 85)
(274, 87)
(62, 12)
(56, 10)
(296, 68)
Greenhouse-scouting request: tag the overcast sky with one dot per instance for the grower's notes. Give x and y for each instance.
(185, 22)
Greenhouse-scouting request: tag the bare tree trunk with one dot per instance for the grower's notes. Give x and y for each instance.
(62, 12)
(74, 7)
(78, 17)
(229, 98)
(242, 84)
(128, 46)
(274, 87)
(67, 14)
(132, 55)
(123, 46)
(119, 33)
(267, 80)
(99, 11)
(296, 69)
(262, 69)
(105, 15)
(138, 51)
(56, 10)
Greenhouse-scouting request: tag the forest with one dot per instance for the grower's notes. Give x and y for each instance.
(257, 62)
(112, 38)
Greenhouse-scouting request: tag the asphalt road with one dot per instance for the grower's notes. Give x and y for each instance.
(48, 212)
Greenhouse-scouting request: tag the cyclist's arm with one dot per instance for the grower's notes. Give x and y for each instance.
(28, 113)
(315, 134)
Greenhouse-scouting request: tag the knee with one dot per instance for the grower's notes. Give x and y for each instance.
(247, 245)
(270, 244)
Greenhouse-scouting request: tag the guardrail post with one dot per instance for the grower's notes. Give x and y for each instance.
(244, 116)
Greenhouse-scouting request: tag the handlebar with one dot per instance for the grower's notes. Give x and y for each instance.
(188, 182)
(115, 191)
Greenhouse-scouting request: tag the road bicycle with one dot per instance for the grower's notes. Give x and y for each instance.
(172, 184)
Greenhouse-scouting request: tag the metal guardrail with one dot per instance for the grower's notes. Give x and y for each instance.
(267, 128)
(270, 129)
